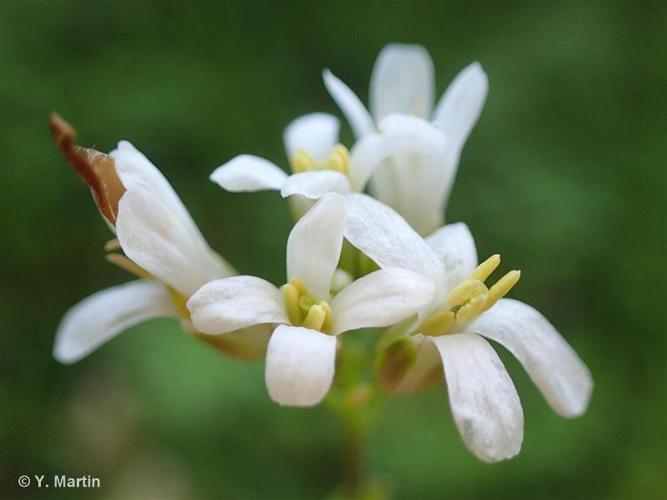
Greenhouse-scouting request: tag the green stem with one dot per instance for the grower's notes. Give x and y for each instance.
(355, 453)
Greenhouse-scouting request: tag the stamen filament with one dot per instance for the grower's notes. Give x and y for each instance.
(439, 323)
(180, 302)
(126, 264)
(111, 245)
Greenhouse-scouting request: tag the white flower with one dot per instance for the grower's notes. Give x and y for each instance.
(415, 183)
(302, 350)
(160, 241)
(450, 330)
(319, 163)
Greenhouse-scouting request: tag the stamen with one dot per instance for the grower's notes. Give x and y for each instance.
(470, 298)
(315, 318)
(502, 286)
(439, 323)
(470, 310)
(328, 318)
(465, 291)
(302, 162)
(485, 269)
(180, 302)
(126, 264)
(112, 245)
(304, 309)
(291, 297)
(299, 285)
(339, 159)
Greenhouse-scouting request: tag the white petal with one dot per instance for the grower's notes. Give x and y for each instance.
(248, 173)
(314, 245)
(416, 179)
(300, 365)
(315, 133)
(348, 102)
(382, 298)
(483, 399)
(137, 172)
(105, 314)
(414, 133)
(315, 184)
(229, 304)
(366, 155)
(549, 360)
(461, 105)
(402, 81)
(166, 245)
(385, 237)
(156, 231)
(455, 247)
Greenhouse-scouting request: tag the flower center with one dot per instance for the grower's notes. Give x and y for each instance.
(339, 161)
(469, 299)
(304, 309)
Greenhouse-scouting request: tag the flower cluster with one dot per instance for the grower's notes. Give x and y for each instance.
(354, 261)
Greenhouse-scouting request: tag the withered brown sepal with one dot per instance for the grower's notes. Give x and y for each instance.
(95, 168)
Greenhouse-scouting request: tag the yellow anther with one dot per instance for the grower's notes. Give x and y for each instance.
(112, 245)
(291, 297)
(328, 318)
(500, 289)
(465, 291)
(339, 159)
(299, 285)
(315, 318)
(468, 312)
(302, 162)
(439, 323)
(485, 269)
(129, 266)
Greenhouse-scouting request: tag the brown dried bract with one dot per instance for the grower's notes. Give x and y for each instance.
(95, 168)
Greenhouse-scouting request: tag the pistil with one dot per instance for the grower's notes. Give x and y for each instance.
(304, 309)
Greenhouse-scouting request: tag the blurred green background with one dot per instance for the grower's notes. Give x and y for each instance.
(564, 175)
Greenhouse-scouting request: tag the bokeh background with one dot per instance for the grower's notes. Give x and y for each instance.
(564, 175)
